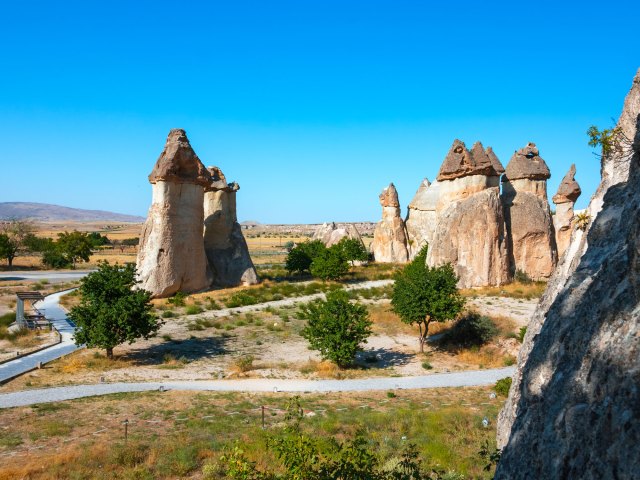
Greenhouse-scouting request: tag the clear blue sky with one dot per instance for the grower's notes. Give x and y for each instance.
(312, 106)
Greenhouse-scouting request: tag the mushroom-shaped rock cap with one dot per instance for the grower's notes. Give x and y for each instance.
(460, 162)
(569, 190)
(178, 162)
(219, 181)
(527, 163)
(497, 164)
(389, 197)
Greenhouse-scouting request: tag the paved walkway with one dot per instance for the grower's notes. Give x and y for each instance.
(52, 276)
(56, 314)
(440, 380)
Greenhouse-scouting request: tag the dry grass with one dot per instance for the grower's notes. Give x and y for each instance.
(512, 290)
(387, 322)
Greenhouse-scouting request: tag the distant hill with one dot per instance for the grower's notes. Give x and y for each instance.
(44, 212)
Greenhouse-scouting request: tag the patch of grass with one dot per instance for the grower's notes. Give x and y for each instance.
(521, 333)
(168, 314)
(513, 290)
(193, 310)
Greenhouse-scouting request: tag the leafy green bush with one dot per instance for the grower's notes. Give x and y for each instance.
(336, 327)
(178, 299)
(193, 310)
(471, 330)
(329, 264)
(502, 386)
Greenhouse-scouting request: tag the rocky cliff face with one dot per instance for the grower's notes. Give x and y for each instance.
(390, 238)
(574, 406)
(421, 217)
(529, 224)
(565, 198)
(470, 230)
(171, 256)
(224, 243)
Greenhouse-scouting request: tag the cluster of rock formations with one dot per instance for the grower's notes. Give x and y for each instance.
(191, 239)
(331, 233)
(487, 221)
(574, 406)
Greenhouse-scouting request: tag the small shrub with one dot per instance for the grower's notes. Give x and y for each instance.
(471, 330)
(502, 386)
(167, 338)
(522, 277)
(168, 314)
(178, 299)
(245, 363)
(391, 395)
(193, 310)
(521, 334)
(509, 360)
(427, 366)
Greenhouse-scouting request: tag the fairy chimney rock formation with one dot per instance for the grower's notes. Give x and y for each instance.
(574, 406)
(565, 198)
(470, 228)
(171, 256)
(421, 217)
(330, 233)
(224, 243)
(390, 239)
(529, 223)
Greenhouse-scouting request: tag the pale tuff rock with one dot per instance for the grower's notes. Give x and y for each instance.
(224, 243)
(565, 198)
(171, 256)
(390, 239)
(529, 223)
(470, 230)
(421, 217)
(574, 405)
(470, 234)
(330, 233)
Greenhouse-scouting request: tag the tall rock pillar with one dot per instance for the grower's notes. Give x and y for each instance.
(171, 255)
(470, 230)
(533, 241)
(224, 243)
(421, 217)
(390, 237)
(565, 198)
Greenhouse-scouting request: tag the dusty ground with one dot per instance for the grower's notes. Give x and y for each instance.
(267, 344)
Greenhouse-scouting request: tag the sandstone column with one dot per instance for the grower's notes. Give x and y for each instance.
(224, 243)
(529, 223)
(390, 239)
(171, 256)
(470, 230)
(565, 198)
(421, 217)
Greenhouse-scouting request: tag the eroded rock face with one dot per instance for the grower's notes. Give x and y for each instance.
(421, 217)
(171, 255)
(330, 233)
(224, 243)
(529, 223)
(470, 230)
(565, 199)
(390, 239)
(574, 405)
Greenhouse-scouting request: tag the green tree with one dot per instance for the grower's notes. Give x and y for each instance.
(422, 295)
(301, 256)
(74, 246)
(336, 327)
(12, 239)
(111, 310)
(329, 264)
(353, 250)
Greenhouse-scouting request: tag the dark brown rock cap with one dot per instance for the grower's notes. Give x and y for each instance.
(527, 163)
(460, 162)
(178, 163)
(569, 190)
(389, 197)
(219, 181)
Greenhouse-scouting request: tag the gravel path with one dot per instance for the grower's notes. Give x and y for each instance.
(457, 379)
(54, 313)
(50, 275)
(287, 301)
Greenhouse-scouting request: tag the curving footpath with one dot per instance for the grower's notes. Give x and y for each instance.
(58, 317)
(440, 380)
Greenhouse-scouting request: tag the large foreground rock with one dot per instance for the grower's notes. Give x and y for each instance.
(574, 407)
(225, 245)
(390, 238)
(171, 255)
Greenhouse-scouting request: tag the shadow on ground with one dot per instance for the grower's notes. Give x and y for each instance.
(190, 349)
(383, 358)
